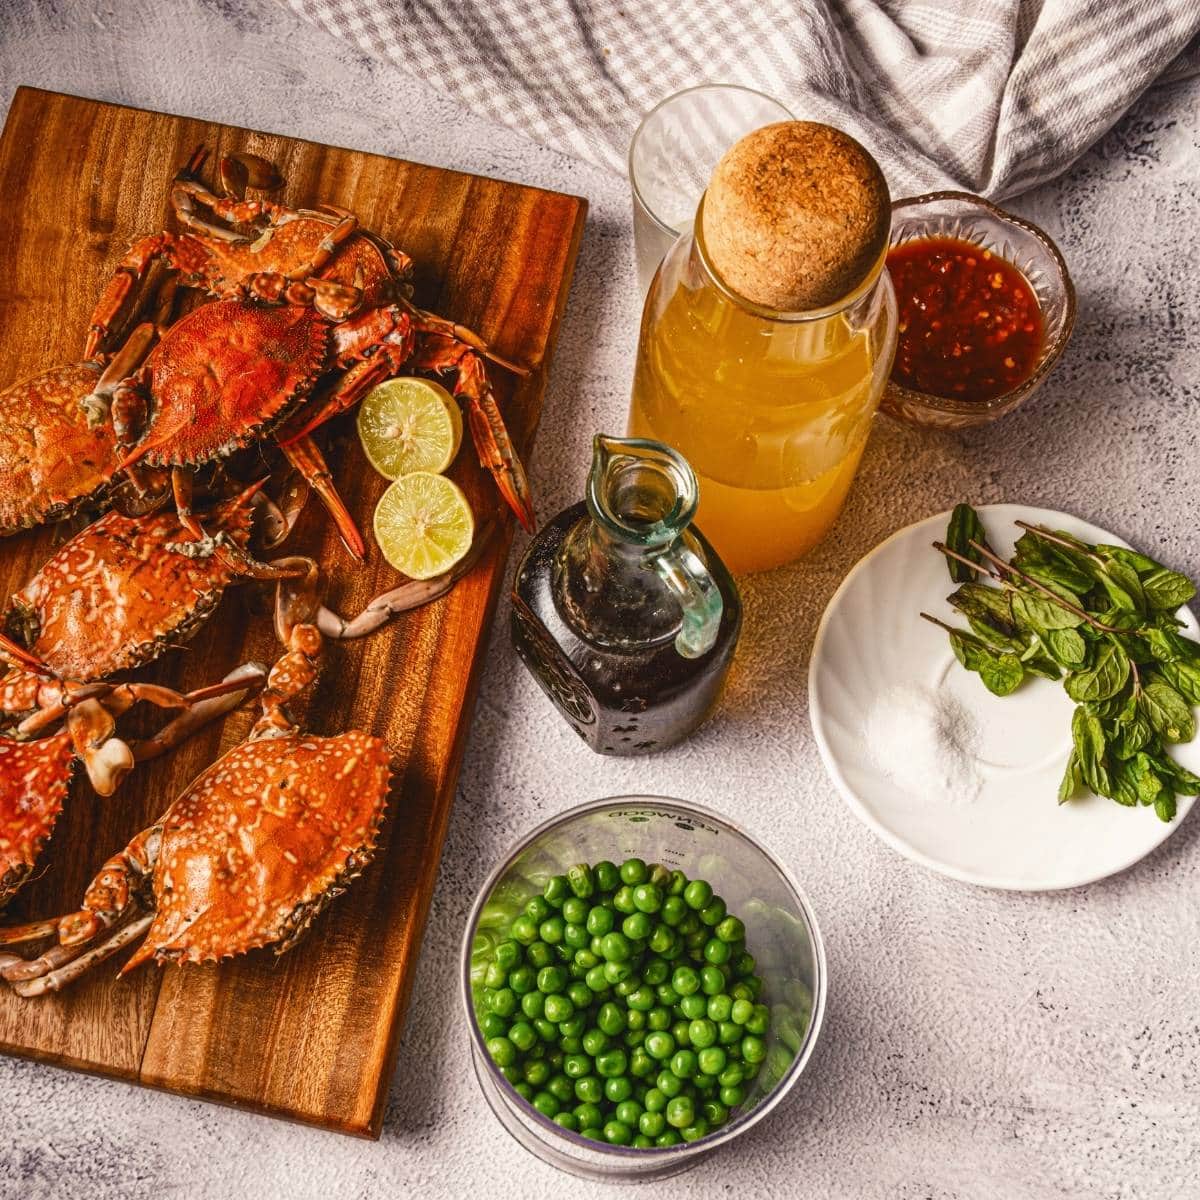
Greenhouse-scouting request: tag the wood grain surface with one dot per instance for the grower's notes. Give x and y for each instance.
(310, 1035)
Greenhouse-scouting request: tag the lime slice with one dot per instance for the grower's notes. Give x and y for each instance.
(408, 425)
(423, 524)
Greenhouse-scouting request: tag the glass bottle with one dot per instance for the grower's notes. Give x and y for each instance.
(772, 408)
(622, 610)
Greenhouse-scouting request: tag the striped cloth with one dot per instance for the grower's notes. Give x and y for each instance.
(992, 96)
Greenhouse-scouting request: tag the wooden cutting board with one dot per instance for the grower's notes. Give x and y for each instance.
(311, 1035)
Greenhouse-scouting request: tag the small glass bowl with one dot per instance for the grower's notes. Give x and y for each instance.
(1031, 250)
(781, 933)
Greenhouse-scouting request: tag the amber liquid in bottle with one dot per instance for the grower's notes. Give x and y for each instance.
(599, 625)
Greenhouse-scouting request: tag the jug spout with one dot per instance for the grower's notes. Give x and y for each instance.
(642, 492)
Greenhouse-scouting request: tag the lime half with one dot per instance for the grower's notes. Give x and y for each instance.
(423, 524)
(408, 425)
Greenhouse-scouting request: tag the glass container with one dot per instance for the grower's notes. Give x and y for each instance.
(1032, 251)
(772, 409)
(622, 610)
(781, 933)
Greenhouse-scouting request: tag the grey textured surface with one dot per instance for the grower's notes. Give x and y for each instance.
(977, 1044)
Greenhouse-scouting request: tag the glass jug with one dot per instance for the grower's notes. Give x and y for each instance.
(621, 608)
(772, 409)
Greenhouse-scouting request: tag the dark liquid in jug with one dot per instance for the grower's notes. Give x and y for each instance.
(633, 699)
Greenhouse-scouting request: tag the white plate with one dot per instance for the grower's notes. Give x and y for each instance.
(1014, 834)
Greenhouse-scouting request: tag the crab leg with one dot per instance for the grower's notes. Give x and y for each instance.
(440, 352)
(304, 454)
(56, 979)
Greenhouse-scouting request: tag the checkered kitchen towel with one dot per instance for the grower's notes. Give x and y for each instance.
(988, 95)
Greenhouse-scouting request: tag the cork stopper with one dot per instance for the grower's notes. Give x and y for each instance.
(795, 216)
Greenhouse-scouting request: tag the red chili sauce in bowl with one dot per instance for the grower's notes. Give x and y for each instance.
(970, 325)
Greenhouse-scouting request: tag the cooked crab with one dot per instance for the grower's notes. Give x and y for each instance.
(250, 853)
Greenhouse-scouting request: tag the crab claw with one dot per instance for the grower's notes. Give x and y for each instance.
(243, 170)
(18, 655)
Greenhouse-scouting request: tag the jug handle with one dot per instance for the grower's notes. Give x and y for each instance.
(682, 569)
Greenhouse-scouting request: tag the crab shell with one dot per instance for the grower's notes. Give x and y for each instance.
(363, 260)
(51, 460)
(261, 842)
(34, 779)
(226, 374)
(121, 590)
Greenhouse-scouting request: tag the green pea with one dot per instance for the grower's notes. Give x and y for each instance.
(637, 927)
(502, 1050)
(617, 1133)
(728, 1032)
(596, 978)
(627, 986)
(681, 1112)
(680, 1032)
(546, 1030)
(719, 1007)
(703, 1033)
(551, 930)
(685, 981)
(492, 1025)
(576, 1066)
(744, 965)
(599, 920)
(635, 1019)
(733, 1095)
(712, 1060)
(583, 957)
(579, 994)
(573, 1026)
(536, 1071)
(561, 1088)
(730, 930)
(509, 953)
(522, 979)
(611, 1063)
(634, 871)
(652, 1123)
(641, 1141)
(669, 1083)
(615, 948)
(662, 939)
(668, 1137)
(673, 911)
(628, 1112)
(622, 900)
(523, 1090)
(556, 890)
(610, 1019)
(660, 1045)
(655, 970)
(641, 999)
(524, 930)
(588, 1114)
(589, 1088)
(683, 1064)
(618, 1088)
(581, 880)
(760, 1020)
(539, 955)
(716, 951)
(713, 913)
(594, 1132)
(648, 897)
(533, 1004)
(537, 910)
(658, 1018)
(666, 994)
(712, 980)
(640, 1063)
(655, 1100)
(754, 1049)
(697, 894)
(606, 875)
(503, 1001)
(742, 991)
(551, 979)
(693, 1007)
(705, 1085)
(678, 882)
(595, 1041)
(567, 1121)
(741, 1012)
(522, 1035)
(558, 1008)
(575, 936)
(695, 1131)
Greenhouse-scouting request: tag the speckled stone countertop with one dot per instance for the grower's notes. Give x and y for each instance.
(977, 1044)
